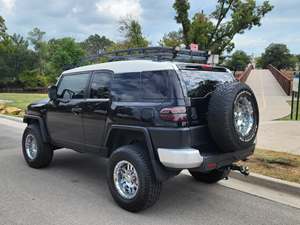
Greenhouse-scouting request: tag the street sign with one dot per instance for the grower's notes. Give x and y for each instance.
(295, 94)
(194, 47)
(296, 81)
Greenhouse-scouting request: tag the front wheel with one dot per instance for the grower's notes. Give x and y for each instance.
(212, 176)
(37, 154)
(131, 180)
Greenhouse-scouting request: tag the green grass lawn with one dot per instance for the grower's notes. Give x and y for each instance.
(294, 114)
(21, 100)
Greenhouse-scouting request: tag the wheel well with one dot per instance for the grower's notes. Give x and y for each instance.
(118, 138)
(39, 122)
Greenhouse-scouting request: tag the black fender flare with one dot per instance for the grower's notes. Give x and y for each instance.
(45, 136)
(161, 173)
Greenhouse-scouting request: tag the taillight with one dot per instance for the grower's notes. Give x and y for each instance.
(174, 114)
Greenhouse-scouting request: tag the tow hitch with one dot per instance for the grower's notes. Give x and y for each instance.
(242, 169)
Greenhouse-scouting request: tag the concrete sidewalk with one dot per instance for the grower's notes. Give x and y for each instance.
(272, 101)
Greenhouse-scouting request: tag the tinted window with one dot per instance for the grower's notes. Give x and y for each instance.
(76, 84)
(200, 83)
(155, 84)
(126, 87)
(100, 86)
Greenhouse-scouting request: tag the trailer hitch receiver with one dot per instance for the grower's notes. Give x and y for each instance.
(242, 169)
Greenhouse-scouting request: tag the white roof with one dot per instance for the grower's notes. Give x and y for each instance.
(126, 66)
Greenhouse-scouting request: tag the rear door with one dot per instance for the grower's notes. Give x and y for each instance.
(199, 85)
(64, 117)
(95, 109)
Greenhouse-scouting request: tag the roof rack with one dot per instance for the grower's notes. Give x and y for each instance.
(153, 53)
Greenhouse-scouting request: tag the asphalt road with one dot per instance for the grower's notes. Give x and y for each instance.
(73, 190)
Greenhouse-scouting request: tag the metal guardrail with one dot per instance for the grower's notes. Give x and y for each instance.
(284, 81)
(244, 76)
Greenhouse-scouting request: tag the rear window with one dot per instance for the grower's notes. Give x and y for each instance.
(199, 83)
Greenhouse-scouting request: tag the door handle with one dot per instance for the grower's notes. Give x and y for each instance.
(76, 110)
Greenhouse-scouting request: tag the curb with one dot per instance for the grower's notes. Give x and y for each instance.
(13, 118)
(269, 182)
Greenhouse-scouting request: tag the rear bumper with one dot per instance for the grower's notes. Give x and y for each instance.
(190, 158)
(180, 158)
(192, 148)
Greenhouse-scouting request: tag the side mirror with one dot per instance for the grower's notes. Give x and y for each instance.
(52, 92)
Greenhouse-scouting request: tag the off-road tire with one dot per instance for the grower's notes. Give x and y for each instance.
(220, 117)
(44, 151)
(210, 177)
(149, 187)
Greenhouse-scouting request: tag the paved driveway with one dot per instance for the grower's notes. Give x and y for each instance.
(272, 101)
(73, 190)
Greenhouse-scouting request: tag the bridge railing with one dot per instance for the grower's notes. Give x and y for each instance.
(243, 77)
(284, 81)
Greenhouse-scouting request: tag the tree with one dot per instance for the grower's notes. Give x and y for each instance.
(95, 43)
(2, 28)
(201, 26)
(172, 39)
(36, 37)
(15, 57)
(238, 61)
(64, 53)
(278, 55)
(132, 31)
(231, 17)
(182, 8)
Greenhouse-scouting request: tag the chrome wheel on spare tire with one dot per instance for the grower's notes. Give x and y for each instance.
(243, 114)
(233, 116)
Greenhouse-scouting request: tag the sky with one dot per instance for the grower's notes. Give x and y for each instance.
(81, 18)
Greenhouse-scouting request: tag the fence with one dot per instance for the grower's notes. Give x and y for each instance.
(243, 77)
(284, 81)
(24, 90)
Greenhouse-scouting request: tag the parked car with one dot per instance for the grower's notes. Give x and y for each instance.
(151, 119)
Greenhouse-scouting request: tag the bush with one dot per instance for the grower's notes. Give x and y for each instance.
(33, 79)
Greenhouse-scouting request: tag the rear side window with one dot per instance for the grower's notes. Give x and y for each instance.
(100, 86)
(156, 85)
(126, 87)
(75, 84)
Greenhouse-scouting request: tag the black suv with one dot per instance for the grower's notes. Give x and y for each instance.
(152, 119)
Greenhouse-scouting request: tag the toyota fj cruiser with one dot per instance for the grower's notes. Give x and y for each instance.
(151, 118)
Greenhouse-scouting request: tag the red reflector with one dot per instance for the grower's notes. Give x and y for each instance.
(211, 165)
(206, 67)
(175, 114)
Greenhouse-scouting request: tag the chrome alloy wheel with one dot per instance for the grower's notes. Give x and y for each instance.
(243, 115)
(126, 179)
(31, 146)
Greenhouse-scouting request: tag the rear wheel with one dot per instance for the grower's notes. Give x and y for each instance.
(131, 179)
(36, 153)
(212, 176)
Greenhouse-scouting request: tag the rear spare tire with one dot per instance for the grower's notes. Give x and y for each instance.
(233, 116)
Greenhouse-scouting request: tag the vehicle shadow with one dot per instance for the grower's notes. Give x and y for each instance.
(180, 193)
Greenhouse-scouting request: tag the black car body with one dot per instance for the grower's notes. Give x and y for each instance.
(162, 106)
